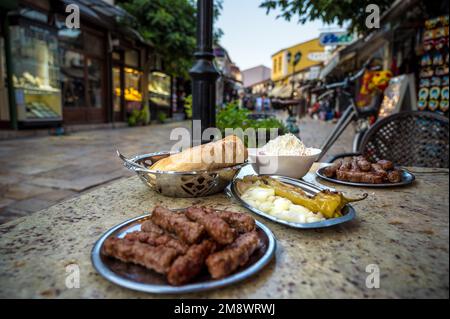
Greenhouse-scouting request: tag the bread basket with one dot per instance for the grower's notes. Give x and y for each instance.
(180, 184)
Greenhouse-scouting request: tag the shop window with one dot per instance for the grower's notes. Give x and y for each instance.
(72, 79)
(117, 91)
(81, 67)
(94, 76)
(92, 44)
(127, 76)
(71, 38)
(116, 56)
(133, 96)
(159, 88)
(36, 73)
(132, 58)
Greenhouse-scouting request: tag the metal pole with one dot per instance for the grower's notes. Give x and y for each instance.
(204, 74)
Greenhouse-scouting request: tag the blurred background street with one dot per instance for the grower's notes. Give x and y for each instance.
(80, 79)
(39, 172)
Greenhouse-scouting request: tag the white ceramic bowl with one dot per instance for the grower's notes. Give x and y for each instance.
(290, 166)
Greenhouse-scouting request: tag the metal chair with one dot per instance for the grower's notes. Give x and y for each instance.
(416, 138)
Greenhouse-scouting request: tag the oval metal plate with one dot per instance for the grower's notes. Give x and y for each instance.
(407, 178)
(139, 278)
(348, 211)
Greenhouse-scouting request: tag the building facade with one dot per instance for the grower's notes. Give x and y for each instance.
(293, 65)
(307, 53)
(55, 73)
(230, 80)
(257, 80)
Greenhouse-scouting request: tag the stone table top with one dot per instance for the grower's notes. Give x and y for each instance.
(404, 231)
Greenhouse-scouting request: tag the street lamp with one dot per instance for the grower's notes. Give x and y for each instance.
(204, 74)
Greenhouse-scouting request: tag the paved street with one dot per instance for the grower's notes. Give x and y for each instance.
(36, 173)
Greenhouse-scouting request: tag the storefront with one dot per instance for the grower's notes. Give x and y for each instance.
(414, 48)
(62, 76)
(82, 74)
(35, 71)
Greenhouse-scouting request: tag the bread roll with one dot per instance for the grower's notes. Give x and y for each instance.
(215, 155)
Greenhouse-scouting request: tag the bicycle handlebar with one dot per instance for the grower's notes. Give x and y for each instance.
(349, 79)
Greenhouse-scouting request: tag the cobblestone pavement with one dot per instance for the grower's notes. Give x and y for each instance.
(36, 173)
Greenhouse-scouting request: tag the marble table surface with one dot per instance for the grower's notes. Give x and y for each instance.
(403, 231)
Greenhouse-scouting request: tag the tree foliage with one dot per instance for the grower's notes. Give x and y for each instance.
(329, 11)
(170, 26)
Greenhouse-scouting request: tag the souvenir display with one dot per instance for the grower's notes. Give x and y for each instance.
(433, 82)
(423, 93)
(422, 105)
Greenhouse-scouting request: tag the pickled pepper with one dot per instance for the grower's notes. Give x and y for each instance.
(327, 202)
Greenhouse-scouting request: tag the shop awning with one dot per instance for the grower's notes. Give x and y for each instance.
(283, 91)
(275, 91)
(365, 47)
(286, 91)
(330, 65)
(338, 58)
(106, 15)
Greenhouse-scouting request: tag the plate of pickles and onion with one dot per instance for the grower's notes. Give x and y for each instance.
(292, 202)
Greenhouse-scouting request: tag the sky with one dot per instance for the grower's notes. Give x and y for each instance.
(251, 36)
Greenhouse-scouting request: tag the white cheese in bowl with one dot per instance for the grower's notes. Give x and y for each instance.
(286, 145)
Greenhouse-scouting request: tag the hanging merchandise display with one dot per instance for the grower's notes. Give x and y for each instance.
(433, 83)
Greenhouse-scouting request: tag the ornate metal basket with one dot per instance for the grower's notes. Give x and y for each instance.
(180, 184)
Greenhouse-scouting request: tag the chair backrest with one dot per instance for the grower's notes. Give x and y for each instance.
(409, 139)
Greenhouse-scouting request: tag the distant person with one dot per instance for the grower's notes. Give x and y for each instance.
(259, 104)
(266, 103)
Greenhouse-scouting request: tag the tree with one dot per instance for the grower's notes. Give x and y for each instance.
(170, 26)
(329, 11)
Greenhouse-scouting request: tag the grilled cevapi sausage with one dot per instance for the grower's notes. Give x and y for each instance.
(360, 170)
(394, 176)
(359, 177)
(378, 170)
(330, 171)
(364, 164)
(386, 165)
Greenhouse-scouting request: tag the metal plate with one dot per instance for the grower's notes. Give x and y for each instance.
(407, 178)
(141, 279)
(348, 212)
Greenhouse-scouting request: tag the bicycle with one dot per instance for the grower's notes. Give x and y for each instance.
(360, 116)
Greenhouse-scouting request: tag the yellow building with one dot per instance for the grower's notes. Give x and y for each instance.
(309, 53)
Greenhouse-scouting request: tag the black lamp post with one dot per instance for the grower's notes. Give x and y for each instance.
(204, 74)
